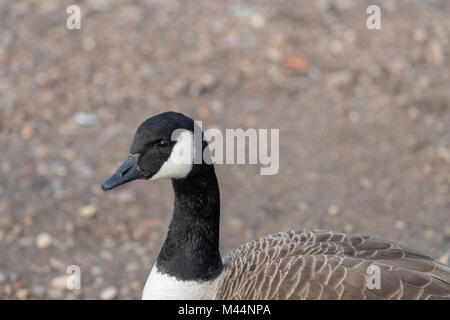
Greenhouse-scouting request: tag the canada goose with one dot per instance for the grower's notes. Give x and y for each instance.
(308, 264)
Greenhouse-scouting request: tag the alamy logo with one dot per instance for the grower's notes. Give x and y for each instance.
(373, 280)
(233, 144)
(74, 20)
(73, 281)
(374, 20)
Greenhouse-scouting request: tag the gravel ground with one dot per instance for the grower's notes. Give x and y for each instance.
(364, 123)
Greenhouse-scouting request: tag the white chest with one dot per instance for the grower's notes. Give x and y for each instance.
(161, 286)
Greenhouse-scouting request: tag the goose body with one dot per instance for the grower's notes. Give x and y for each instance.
(305, 264)
(319, 264)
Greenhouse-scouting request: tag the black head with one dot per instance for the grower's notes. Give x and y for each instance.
(163, 147)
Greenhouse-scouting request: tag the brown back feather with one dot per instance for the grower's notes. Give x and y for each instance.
(317, 264)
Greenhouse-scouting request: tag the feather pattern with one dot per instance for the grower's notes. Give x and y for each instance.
(318, 264)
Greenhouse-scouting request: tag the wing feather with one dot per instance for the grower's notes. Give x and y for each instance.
(318, 264)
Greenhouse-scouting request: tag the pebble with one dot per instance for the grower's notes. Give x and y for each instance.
(38, 291)
(366, 183)
(354, 116)
(22, 293)
(339, 79)
(333, 210)
(136, 285)
(6, 222)
(443, 153)
(124, 291)
(302, 206)
(175, 87)
(257, 21)
(7, 289)
(419, 34)
(138, 232)
(54, 293)
(25, 242)
(217, 106)
(447, 230)
(44, 240)
(56, 263)
(27, 130)
(400, 224)
(204, 111)
(88, 211)
(429, 233)
(445, 258)
(279, 206)
(89, 43)
(71, 296)
(344, 4)
(237, 224)
(297, 63)
(85, 119)
(96, 270)
(413, 113)
(126, 197)
(203, 84)
(435, 55)
(132, 267)
(348, 227)
(108, 293)
(60, 282)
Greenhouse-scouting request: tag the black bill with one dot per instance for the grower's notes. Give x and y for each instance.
(128, 171)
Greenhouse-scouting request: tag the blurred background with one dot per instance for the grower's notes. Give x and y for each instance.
(363, 115)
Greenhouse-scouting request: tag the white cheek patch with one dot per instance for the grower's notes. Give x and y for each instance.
(181, 158)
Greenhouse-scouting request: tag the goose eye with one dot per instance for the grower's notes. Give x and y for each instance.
(163, 144)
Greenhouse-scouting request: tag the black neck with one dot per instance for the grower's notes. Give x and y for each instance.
(191, 249)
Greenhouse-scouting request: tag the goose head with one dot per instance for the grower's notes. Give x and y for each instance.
(163, 147)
